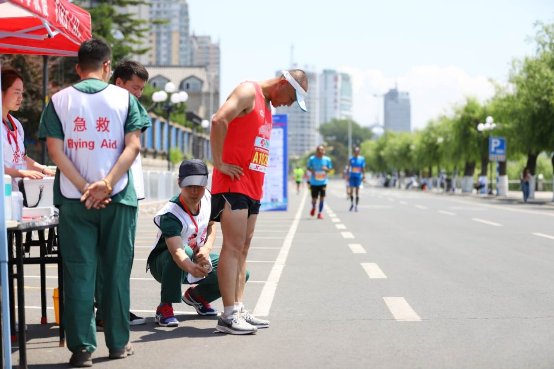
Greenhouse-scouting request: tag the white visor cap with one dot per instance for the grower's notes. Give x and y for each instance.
(300, 92)
(199, 180)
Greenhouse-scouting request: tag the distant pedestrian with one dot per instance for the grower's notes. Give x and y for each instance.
(319, 165)
(525, 179)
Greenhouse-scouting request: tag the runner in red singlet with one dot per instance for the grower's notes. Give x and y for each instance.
(240, 135)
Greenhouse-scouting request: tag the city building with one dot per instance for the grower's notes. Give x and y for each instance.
(397, 111)
(194, 80)
(335, 91)
(170, 41)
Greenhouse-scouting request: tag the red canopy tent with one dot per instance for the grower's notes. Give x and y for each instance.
(42, 27)
(38, 27)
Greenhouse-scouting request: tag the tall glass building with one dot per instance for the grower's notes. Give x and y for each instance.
(397, 111)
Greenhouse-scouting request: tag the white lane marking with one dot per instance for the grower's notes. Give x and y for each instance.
(356, 248)
(335, 220)
(268, 292)
(340, 226)
(446, 212)
(544, 235)
(373, 271)
(347, 234)
(421, 207)
(498, 207)
(479, 220)
(401, 310)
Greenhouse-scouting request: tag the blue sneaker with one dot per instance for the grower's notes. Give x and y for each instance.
(165, 317)
(201, 306)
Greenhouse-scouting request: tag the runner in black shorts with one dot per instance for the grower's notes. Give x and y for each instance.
(237, 201)
(318, 191)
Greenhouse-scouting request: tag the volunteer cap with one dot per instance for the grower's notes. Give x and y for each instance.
(193, 172)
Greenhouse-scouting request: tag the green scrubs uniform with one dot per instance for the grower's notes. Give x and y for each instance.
(96, 238)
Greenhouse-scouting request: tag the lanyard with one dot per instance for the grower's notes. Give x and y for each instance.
(189, 214)
(12, 134)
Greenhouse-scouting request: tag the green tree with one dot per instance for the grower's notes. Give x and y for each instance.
(335, 133)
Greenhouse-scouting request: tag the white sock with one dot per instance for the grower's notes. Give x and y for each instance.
(228, 310)
(239, 306)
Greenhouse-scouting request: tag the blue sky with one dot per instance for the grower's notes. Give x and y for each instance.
(438, 50)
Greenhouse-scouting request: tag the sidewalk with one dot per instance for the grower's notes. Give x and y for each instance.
(513, 197)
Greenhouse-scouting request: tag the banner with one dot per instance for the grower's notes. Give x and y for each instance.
(275, 184)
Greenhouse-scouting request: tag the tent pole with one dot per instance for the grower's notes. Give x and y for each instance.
(44, 102)
(5, 300)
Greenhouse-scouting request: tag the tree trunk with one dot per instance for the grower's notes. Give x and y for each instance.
(467, 182)
(532, 166)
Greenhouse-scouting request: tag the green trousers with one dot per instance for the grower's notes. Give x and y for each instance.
(166, 271)
(92, 240)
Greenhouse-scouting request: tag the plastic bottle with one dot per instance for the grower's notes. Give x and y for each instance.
(17, 206)
(8, 196)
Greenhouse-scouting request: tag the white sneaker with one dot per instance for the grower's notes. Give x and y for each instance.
(234, 324)
(252, 320)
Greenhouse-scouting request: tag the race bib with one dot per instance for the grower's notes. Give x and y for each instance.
(260, 158)
(320, 176)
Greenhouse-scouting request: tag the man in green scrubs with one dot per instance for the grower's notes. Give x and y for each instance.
(92, 131)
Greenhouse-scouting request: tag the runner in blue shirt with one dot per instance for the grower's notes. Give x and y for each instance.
(319, 165)
(356, 172)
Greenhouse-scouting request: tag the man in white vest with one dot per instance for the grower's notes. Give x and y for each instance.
(92, 131)
(132, 76)
(181, 253)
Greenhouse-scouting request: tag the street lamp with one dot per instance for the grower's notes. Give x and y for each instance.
(489, 125)
(170, 98)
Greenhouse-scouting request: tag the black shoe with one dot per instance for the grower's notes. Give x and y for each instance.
(122, 353)
(81, 359)
(136, 320)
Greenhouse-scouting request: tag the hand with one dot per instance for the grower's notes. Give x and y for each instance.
(96, 195)
(49, 172)
(202, 256)
(233, 171)
(33, 174)
(196, 270)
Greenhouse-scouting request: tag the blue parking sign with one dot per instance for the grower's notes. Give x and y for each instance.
(497, 148)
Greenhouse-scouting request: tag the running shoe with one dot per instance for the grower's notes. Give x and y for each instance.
(312, 212)
(252, 320)
(81, 359)
(165, 316)
(136, 320)
(201, 306)
(128, 350)
(351, 207)
(235, 324)
(319, 216)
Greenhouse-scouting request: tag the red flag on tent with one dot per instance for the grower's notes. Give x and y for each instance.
(43, 27)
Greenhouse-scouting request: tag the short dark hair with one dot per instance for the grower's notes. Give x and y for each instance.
(9, 76)
(92, 54)
(126, 69)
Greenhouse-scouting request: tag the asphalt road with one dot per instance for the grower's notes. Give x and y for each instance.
(412, 280)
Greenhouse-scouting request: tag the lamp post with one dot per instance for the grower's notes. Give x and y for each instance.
(170, 98)
(489, 125)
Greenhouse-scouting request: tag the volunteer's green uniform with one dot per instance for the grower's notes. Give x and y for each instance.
(160, 261)
(91, 237)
